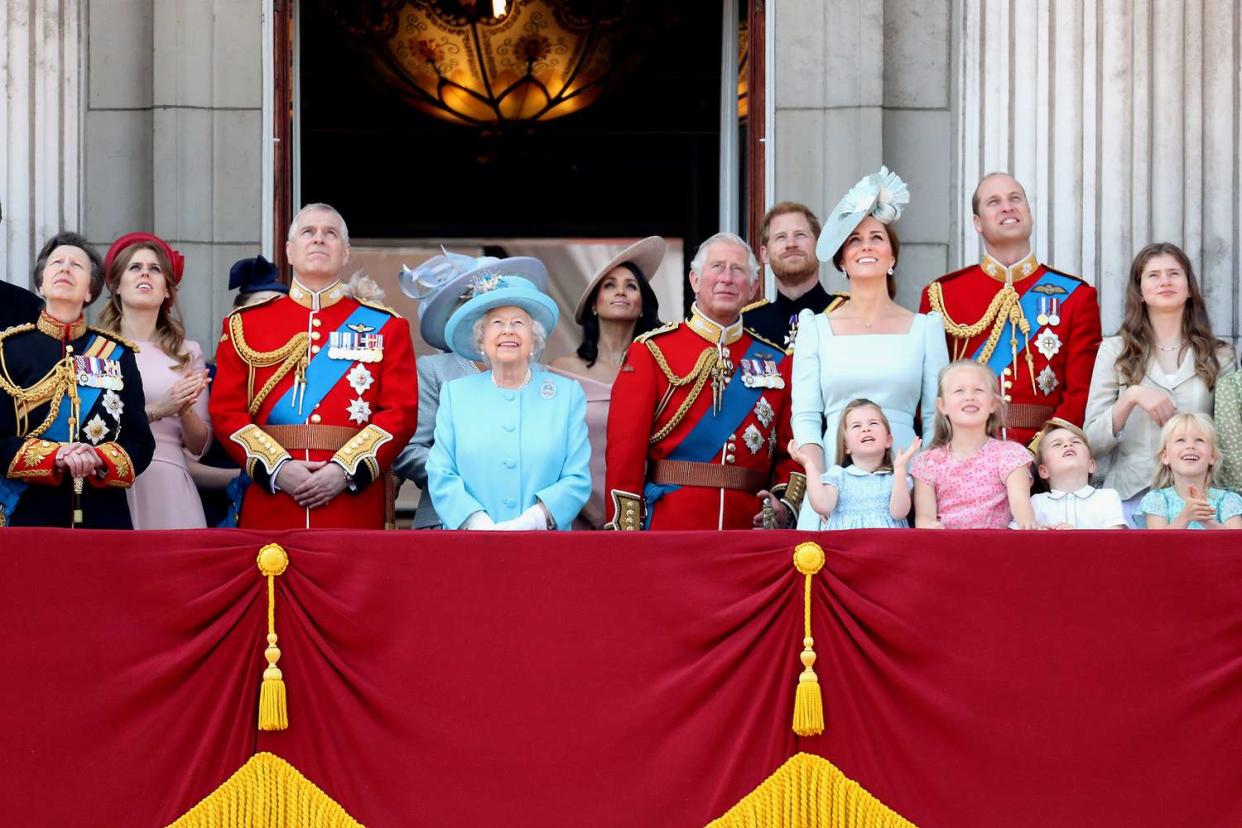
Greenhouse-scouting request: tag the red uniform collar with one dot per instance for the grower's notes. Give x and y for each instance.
(61, 331)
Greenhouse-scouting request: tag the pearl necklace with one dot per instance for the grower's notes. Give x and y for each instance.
(520, 385)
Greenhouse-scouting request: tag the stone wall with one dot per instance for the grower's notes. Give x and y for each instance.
(1122, 117)
(173, 137)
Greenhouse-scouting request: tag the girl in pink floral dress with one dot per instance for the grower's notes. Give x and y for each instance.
(968, 478)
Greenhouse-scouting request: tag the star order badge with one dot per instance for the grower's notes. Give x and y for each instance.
(96, 429)
(113, 405)
(764, 411)
(1048, 343)
(359, 410)
(360, 378)
(753, 438)
(1047, 380)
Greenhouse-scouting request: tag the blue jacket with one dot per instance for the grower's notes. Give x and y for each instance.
(498, 449)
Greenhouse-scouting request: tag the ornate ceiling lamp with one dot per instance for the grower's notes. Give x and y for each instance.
(491, 63)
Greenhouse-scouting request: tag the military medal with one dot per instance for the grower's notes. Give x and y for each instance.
(1042, 318)
(793, 331)
(96, 429)
(772, 375)
(763, 410)
(360, 378)
(1048, 343)
(753, 438)
(1054, 318)
(113, 405)
(359, 343)
(1047, 380)
(359, 410)
(93, 372)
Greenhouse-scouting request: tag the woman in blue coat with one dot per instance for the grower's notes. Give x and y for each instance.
(511, 448)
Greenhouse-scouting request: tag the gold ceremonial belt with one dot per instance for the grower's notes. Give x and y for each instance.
(311, 437)
(707, 475)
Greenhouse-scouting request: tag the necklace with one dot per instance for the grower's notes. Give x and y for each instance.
(1168, 348)
(519, 386)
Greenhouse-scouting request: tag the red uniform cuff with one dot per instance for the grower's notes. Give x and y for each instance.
(118, 470)
(35, 462)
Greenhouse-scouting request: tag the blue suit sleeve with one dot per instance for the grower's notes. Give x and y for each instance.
(807, 395)
(444, 481)
(565, 498)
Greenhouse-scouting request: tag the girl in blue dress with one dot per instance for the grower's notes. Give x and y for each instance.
(870, 489)
(1182, 495)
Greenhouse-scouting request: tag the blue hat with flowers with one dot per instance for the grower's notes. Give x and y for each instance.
(881, 194)
(443, 282)
(493, 292)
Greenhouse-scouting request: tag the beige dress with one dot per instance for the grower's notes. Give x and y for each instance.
(598, 397)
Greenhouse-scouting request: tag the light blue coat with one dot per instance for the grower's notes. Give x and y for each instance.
(498, 449)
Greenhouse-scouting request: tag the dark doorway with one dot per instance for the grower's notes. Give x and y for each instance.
(643, 159)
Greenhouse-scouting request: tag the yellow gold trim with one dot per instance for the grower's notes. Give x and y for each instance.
(1016, 272)
(121, 461)
(627, 510)
(53, 327)
(379, 307)
(289, 356)
(115, 337)
(316, 300)
(362, 447)
(792, 492)
(267, 791)
(260, 448)
(699, 374)
(663, 329)
(714, 332)
(809, 790)
(753, 305)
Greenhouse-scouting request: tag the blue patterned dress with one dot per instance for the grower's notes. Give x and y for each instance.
(862, 499)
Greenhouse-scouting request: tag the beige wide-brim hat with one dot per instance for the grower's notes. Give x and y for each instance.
(645, 254)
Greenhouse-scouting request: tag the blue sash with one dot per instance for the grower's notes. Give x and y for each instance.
(323, 373)
(713, 430)
(1001, 356)
(11, 490)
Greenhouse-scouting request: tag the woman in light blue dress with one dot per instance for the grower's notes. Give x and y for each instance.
(510, 449)
(870, 346)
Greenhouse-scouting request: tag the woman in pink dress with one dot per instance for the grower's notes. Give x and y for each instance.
(617, 305)
(142, 273)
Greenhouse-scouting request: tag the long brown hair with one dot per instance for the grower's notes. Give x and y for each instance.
(1137, 339)
(942, 428)
(844, 459)
(169, 331)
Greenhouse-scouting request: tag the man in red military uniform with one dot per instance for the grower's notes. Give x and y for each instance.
(1036, 328)
(700, 416)
(315, 392)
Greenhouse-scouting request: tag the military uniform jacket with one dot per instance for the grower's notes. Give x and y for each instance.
(664, 410)
(776, 320)
(69, 383)
(315, 376)
(1039, 333)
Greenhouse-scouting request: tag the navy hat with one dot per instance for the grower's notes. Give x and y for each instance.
(254, 275)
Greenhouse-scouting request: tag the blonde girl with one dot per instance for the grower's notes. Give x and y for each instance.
(870, 488)
(969, 478)
(1182, 495)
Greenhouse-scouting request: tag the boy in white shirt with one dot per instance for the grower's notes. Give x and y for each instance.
(1065, 462)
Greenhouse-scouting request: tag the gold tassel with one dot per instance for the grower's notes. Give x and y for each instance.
(809, 792)
(808, 718)
(273, 708)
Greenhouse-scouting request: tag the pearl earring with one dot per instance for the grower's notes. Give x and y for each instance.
(891, 271)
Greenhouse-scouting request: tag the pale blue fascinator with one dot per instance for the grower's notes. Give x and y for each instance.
(882, 194)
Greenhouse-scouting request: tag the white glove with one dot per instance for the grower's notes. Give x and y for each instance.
(533, 519)
(479, 520)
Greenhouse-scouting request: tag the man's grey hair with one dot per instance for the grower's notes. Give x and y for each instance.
(539, 336)
(700, 257)
(310, 208)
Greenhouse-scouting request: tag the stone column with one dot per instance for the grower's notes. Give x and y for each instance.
(40, 117)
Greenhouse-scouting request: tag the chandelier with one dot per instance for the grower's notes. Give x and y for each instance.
(491, 63)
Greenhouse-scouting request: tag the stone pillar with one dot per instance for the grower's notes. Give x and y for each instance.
(174, 137)
(858, 84)
(40, 118)
(1121, 118)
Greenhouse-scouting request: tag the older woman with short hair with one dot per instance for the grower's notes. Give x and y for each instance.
(511, 448)
(73, 435)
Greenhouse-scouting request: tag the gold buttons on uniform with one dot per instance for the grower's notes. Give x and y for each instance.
(1006, 372)
(1008, 398)
(316, 322)
(314, 349)
(315, 418)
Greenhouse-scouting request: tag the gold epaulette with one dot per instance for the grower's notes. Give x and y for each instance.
(769, 342)
(837, 300)
(16, 329)
(116, 337)
(663, 329)
(257, 304)
(754, 305)
(378, 306)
